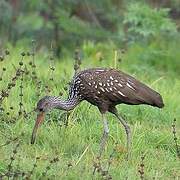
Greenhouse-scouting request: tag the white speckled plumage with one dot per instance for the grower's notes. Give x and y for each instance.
(113, 87)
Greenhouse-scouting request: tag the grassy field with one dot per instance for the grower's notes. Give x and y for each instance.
(69, 151)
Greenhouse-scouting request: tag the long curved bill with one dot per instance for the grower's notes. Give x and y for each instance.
(39, 120)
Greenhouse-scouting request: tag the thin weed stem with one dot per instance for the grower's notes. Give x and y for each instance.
(141, 167)
(175, 138)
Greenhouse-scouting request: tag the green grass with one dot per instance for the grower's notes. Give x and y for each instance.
(78, 143)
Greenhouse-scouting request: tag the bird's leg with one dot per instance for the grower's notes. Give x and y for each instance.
(103, 142)
(128, 132)
(105, 135)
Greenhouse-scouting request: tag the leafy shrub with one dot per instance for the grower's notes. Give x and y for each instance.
(144, 21)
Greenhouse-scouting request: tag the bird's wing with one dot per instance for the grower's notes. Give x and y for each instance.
(119, 87)
(131, 91)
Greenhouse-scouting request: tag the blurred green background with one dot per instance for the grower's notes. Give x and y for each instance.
(150, 27)
(67, 23)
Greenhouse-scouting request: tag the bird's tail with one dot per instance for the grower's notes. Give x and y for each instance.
(151, 97)
(158, 101)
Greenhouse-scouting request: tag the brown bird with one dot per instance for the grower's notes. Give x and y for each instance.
(104, 88)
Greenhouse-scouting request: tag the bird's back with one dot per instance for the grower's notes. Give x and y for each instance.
(109, 87)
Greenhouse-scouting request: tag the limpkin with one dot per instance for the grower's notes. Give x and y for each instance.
(104, 88)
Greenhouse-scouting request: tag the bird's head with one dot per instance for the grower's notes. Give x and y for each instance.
(45, 104)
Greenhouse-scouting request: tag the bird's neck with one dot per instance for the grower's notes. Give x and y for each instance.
(66, 105)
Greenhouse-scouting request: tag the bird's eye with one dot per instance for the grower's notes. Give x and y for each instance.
(41, 109)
